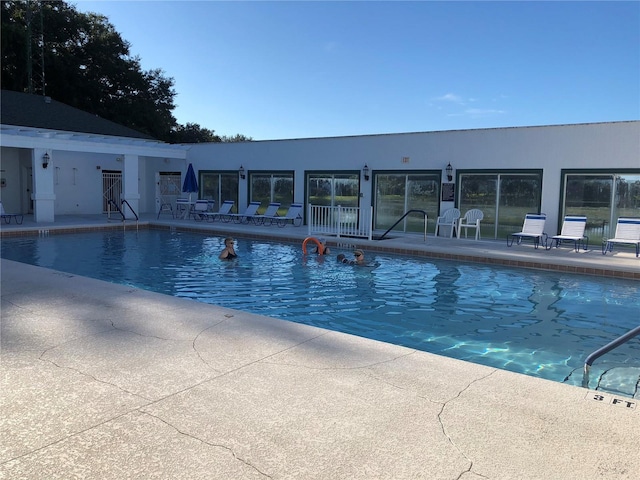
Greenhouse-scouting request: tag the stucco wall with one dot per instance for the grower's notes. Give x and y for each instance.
(551, 148)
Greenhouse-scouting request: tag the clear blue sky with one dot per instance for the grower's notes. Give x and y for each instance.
(274, 70)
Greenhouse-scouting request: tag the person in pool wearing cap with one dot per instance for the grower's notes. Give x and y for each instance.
(324, 250)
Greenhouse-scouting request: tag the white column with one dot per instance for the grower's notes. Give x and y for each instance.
(130, 189)
(43, 195)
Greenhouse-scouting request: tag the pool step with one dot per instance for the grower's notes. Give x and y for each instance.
(620, 381)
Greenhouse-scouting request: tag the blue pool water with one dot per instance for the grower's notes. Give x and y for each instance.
(537, 323)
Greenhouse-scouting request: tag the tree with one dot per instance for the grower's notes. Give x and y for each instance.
(193, 133)
(238, 137)
(88, 65)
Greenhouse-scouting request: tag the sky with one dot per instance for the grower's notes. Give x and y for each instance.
(283, 70)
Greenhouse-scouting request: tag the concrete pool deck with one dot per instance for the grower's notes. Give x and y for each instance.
(101, 381)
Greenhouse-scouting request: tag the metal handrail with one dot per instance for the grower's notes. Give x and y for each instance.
(606, 349)
(130, 208)
(110, 202)
(402, 218)
(119, 210)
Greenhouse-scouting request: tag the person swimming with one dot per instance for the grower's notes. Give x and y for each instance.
(229, 252)
(323, 250)
(358, 258)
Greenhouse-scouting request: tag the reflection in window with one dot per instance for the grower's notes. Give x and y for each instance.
(326, 189)
(219, 187)
(504, 198)
(602, 198)
(271, 187)
(397, 193)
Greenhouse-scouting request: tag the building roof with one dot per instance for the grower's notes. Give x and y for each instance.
(37, 111)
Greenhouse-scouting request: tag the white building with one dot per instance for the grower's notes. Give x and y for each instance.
(590, 169)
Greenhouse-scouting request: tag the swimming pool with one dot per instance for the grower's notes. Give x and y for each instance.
(542, 324)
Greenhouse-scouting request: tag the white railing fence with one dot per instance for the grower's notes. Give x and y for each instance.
(340, 221)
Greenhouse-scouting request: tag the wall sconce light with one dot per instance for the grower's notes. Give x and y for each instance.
(45, 160)
(241, 172)
(365, 172)
(449, 170)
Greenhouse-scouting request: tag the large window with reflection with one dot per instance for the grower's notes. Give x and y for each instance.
(268, 187)
(504, 198)
(398, 192)
(219, 186)
(333, 189)
(602, 197)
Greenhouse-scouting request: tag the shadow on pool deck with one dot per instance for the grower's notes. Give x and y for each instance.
(102, 381)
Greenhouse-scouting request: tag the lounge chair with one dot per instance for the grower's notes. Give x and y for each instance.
(572, 231)
(450, 219)
(627, 232)
(293, 215)
(471, 219)
(8, 216)
(533, 228)
(223, 214)
(200, 209)
(251, 211)
(270, 212)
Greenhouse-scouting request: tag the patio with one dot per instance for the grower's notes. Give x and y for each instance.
(102, 381)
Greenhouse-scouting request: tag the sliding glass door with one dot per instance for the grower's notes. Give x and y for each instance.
(602, 198)
(397, 193)
(504, 198)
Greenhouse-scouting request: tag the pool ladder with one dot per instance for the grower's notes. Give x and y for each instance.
(119, 210)
(422, 212)
(607, 348)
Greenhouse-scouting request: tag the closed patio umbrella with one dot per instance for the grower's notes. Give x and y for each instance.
(190, 184)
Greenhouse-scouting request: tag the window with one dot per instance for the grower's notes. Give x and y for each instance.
(271, 187)
(327, 189)
(602, 198)
(504, 198)
(397, 193)
(219, 186)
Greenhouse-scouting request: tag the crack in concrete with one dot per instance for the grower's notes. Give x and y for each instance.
(444, 430)
(215, 445)
(104, 382)
(138, 333)
(359, 367)
(195, 339)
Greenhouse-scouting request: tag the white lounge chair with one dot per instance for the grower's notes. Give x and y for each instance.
(8, 216)
(450, 219)
(533, 228)
(293, 215)
(222, 214)
(471, 219)
(272, 211)
(199, 210)
(572, 231)
(252, 210)
(627, 232)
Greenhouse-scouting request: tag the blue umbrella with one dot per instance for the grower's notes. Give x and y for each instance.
(190, 184)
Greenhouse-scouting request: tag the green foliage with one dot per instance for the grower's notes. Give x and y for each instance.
(88, 65)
